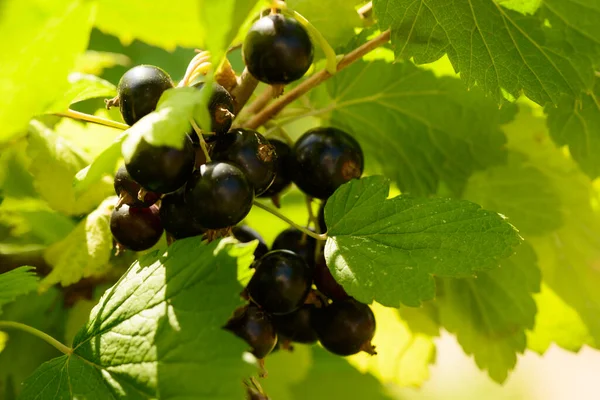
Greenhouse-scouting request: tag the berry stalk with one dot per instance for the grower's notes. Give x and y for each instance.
(93, 119)
(289, 221)
(36, 332)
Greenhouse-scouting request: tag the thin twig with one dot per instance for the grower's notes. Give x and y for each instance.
(274, 108)
(257, 105)
(289, 221)
(201, 139)
(36, 332)
(244, 89)
(93, 119)
(366, 11)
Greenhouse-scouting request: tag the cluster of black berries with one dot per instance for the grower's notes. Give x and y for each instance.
(161, 188)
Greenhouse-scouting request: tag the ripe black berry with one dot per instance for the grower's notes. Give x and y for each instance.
(345, 327)
(326, 158)
(177, 216)
(161, 169)
(281, 282)
(251, 152)
(283, 169)
(293, 240)
(321, 217)
(140, 89)
(254, 326)
(219, 195)
(220, 108)
(326, 283)
(245, 234)
(277, 50)
(136, 228)
(296, 326)
(127, 189)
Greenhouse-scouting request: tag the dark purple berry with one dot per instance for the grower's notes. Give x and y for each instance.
(296, 326)
(280, 283)
(177, 216)
(127, 189)
(219, 195)
(321, 217)
(326, 158)
(345, 327)
(300, 243)
(326, 283)
(135, 228)
(277, 50)
(251, 152)
(255, 327)
(283, 169)
(245, 234)
(140, 89)
(220, 109)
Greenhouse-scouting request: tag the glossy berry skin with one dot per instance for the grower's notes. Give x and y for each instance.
(177, 216)
(245, 234)
(127, 189)
(345, 327)
(161, 169)
(252, 153)
(255, 327)
(220, 108)
(136, 228)
(296, 326)
(281, 282)
(326, 283)
(139, 90)
(325, 158)
(277, 50)
(283, 169)
(219, 195)
(321, 217)
(293, 240)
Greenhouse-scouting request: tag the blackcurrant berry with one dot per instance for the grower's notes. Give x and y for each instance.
(281, 282)
(161, 169)
(251, 152)
(136, 228)
(321, 217)
(220, 108)
(283, 169)
(325, 158)
(277, 50)
(140, 89)
(345, 327)
(254, 326)
(127, 189)
(293, 240)
(245, 234)
(325, 282)
(296, 326)
(177, 216)
(219, 194)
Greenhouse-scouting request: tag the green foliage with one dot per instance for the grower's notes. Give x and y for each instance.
(17, 282)
(157, 330)
(83, 87)
(388, 250)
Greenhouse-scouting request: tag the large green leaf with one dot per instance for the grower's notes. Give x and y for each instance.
(82, 87)
(543, 55)
(158, 331)
(388, 250)
(576, 123)
(42, 41)
(420, 129)
(17, 282)
(490, 313)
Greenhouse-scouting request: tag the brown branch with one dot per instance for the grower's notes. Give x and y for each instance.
(274, 108)
(244, 89)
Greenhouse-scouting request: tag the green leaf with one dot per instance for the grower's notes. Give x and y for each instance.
(287, 368)
(576, 123)
(557, 322)
(388, 250)
(403, 356)
(521, 192)
(82, 87)
(395, 112)
(490, 313)
(84, 252)
(543, 55)
(45, 40)
(170, 122)
(55, 163)
(157, 332)
(95, 62)
(336, 26)
(17, 282)
(103, 164)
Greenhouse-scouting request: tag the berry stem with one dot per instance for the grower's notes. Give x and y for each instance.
(289, 221)
(244, 89)
(261, 101)
(93, 119)
(36, 332)
(272, 109)
(201, 139)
